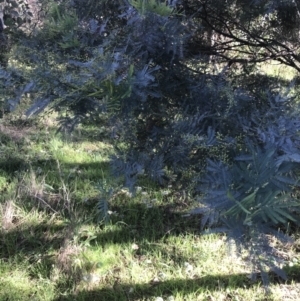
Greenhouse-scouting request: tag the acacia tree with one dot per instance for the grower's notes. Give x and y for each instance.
(246, 31)
(143, 65)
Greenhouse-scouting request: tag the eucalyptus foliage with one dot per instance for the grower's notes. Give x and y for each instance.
(175, 115)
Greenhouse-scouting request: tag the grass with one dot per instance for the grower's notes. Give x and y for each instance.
(274, 69)
(53, 248)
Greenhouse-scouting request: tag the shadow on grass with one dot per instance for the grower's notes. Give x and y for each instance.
(182, 287)
(31, 240)
(133, 227)
(11, 166)
(134, 223)
(141, 223)
(16, 152)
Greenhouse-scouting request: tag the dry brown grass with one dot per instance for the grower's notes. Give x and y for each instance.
(7, 214)
(33, 187)
(16, 133)
(65, 258)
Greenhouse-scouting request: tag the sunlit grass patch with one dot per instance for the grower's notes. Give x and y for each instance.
(275, 69)
(16, 285)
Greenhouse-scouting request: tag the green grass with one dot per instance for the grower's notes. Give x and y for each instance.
(274, 69)
(53, 248)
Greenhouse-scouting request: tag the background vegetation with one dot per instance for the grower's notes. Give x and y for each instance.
(149, 150)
